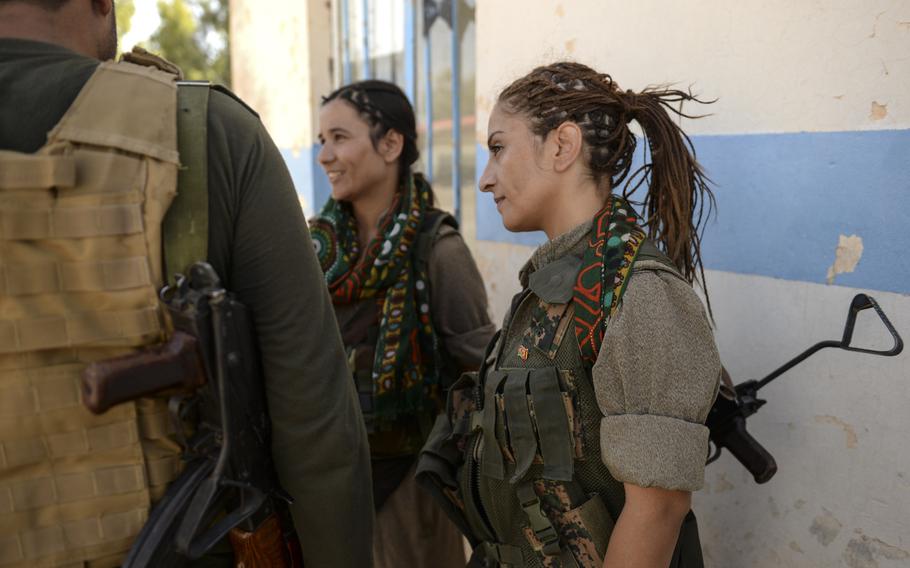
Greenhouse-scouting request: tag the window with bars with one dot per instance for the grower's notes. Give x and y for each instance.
(427, 48)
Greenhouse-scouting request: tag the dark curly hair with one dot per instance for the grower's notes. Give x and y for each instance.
(677, 188)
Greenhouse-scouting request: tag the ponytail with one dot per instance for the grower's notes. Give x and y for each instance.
(677, 190)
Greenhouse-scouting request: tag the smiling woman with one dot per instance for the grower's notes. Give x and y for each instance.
(409, 300)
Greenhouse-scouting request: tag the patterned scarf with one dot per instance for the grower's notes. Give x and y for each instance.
(405, 377)
(604, 274)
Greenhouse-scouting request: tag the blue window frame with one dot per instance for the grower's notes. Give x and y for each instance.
(414, 43)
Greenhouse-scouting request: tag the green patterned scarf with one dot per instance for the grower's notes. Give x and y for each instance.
(405, 376)
(608, 258)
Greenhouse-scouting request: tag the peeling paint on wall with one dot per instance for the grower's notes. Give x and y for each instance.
(879, 111)
(723, 484)
(775, 511)
(825, 527)
(875, 25)
(848, 428)
(863, 552)
(846, 256)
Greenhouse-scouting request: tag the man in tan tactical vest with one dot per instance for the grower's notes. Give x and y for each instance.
(88, 168)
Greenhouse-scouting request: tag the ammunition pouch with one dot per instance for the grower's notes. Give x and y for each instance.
(443, 455)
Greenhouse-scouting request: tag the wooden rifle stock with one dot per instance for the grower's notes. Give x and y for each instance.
(172, 364)
(266, 547)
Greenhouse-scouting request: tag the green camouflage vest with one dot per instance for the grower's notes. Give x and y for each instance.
(531, 488)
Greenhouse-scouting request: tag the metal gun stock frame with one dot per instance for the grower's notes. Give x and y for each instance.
(228, 485)
(727, 419)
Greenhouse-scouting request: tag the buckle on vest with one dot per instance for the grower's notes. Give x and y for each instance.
(476, 423)
(501, 554)
(540, 523)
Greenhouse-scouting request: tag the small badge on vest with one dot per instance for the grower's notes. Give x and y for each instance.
(549, 323)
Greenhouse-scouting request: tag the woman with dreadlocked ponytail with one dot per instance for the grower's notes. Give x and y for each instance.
(581, 439)
(409, 300)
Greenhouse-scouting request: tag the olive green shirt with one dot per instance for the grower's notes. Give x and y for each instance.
(656, 375)
(260, 246)
(458, 301)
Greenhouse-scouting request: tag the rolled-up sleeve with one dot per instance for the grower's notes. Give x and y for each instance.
(656, 378)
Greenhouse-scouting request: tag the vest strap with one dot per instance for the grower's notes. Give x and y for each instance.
(18, 453)
(71, 222)
(59, 277)
(503, 555)
(22, 171)
(185, 229)
(491, 465)
(26, 392)
(155, 425)
(521, 431)
(71, 541)
(55, 332)
(162, 470)
(35, 493)
(556, 444)
(537, 519)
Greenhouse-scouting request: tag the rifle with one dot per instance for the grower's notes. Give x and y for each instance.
(734, 404)
(228, 486)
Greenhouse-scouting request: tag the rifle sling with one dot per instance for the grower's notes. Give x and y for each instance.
(185, 229)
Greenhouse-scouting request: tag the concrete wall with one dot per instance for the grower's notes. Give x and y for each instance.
(281, 66)
(808, 144)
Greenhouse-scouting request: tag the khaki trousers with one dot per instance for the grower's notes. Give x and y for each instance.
(411, 531)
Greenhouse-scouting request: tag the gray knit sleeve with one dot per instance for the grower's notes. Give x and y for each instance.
(656, 378)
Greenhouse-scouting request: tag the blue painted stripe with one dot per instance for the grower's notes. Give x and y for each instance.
(309, 179)
(784, 199)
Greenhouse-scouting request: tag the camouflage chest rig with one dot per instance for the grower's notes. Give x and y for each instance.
(517, 462)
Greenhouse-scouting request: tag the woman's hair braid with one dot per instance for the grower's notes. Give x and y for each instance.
(677, 188)
(384, 107)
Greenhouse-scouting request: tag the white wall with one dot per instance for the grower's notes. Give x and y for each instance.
(837, 426)
(280, 63)
(774, 65)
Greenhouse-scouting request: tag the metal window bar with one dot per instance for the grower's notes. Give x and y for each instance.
(456, 115)
(410, 54)
(337, 62)
(428, 20)
(365, 20)
(346, 42)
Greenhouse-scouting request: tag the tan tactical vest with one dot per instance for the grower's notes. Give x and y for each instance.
(80, 264)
